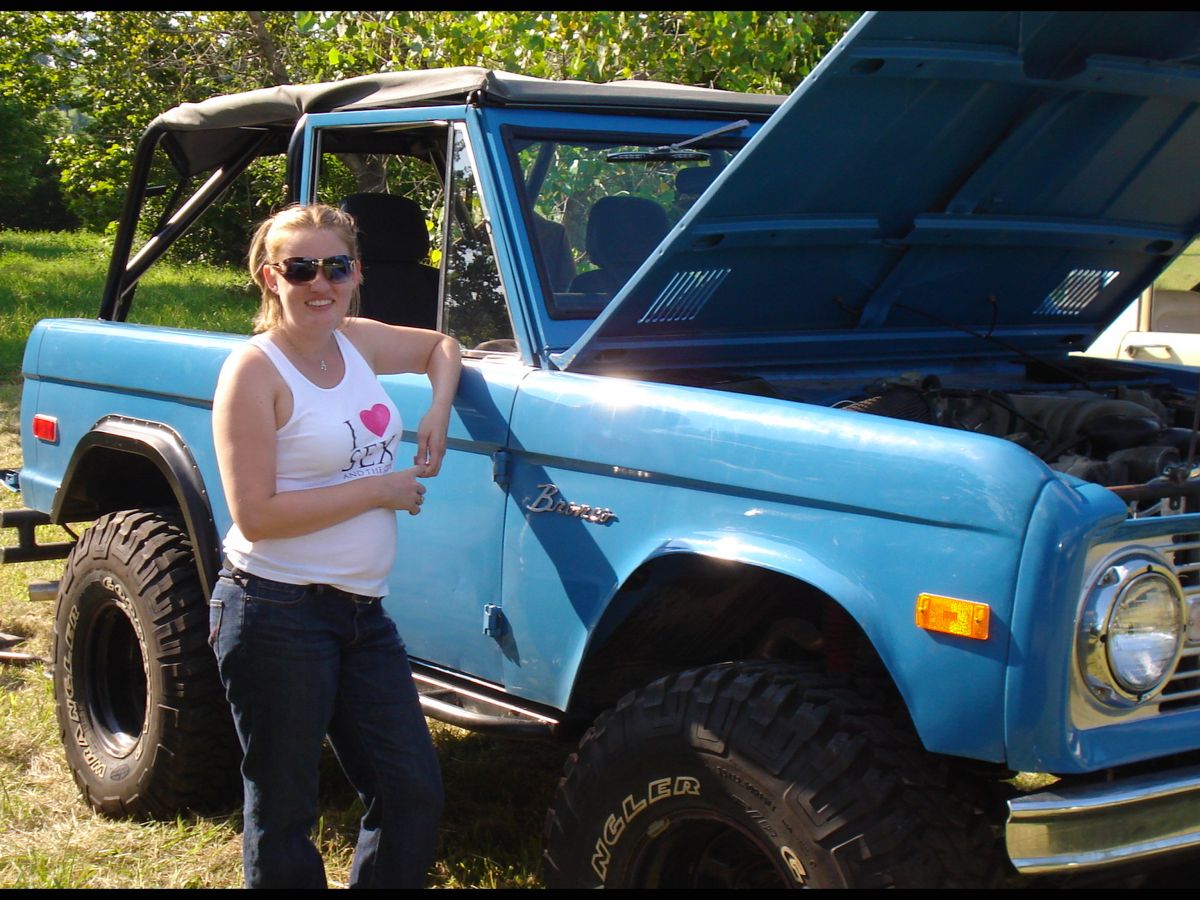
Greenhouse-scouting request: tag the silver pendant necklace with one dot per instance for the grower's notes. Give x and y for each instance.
(296, 350)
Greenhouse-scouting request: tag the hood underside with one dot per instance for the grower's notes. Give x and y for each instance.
(942, 184)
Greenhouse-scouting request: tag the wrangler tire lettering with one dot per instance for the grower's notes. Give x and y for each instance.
(807, 791)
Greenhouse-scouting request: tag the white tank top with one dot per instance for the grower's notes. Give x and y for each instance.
(334, 435)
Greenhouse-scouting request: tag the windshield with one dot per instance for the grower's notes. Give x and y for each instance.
(598, 207)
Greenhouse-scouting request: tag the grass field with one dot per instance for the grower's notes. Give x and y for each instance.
(496, 791)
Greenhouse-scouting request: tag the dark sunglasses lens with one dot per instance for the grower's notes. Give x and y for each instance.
(337, 268)
(301, 270)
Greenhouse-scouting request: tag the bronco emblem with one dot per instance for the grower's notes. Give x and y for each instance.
(548, 501)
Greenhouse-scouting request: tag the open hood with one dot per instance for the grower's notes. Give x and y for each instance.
(941, 185)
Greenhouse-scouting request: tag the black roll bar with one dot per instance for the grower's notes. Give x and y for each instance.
(123, 273)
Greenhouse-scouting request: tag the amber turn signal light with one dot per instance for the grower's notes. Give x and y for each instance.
(950, 615)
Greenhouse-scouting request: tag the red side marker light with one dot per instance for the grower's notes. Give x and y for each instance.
(45, 428)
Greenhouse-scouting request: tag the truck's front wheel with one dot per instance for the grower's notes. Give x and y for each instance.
(143, 717)
(759, 775)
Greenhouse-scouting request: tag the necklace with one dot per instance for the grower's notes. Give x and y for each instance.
(296, 350)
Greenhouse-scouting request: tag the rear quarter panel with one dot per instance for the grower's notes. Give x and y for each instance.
(80, 371)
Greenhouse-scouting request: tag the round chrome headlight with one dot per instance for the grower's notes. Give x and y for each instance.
(1145, 631)
(1132, 629)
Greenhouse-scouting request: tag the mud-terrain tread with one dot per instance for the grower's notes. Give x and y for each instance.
(190, 756)
(894, 814)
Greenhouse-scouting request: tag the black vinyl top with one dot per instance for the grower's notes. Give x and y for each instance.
(201, 135)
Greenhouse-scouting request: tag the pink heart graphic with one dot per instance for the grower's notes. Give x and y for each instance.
(376, 418)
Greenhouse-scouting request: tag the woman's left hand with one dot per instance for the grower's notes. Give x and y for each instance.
(431, 441)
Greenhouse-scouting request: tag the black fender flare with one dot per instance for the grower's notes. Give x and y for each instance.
(165, 449)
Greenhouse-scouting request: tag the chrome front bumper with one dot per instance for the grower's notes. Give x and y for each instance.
(1074, 828)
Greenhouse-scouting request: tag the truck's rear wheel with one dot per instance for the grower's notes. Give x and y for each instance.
(759, 775)
(143, 716)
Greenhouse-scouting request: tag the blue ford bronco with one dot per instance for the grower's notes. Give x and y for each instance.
(774, 478)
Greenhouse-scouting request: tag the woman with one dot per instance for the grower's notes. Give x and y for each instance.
(306, 441)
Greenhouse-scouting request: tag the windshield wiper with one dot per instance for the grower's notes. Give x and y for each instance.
(674, 152)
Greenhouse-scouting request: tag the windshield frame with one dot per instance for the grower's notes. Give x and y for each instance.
(561, 328)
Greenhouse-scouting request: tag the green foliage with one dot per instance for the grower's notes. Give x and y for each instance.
(30, 74)
(113, 71)
(135, 64)
(745, 50)
(36, 56)
(29, 190)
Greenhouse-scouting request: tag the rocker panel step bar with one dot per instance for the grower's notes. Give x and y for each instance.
(442, 693)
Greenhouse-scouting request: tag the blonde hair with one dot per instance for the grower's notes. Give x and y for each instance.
(270, 234)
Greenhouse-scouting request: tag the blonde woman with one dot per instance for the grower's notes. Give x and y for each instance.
(306, 440)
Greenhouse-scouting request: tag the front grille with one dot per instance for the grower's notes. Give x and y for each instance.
(1183, 688)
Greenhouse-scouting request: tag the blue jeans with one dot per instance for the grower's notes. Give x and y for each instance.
(303, 662)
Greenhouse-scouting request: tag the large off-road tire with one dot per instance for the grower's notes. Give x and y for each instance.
(142, 712)
(761, 775)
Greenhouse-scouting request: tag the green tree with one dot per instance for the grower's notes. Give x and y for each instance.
(743, 51)
(34, 70)
(132, 65)
(30, 195)
(114, 70)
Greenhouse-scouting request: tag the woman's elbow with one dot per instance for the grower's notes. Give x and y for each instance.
(251, 532)
(252, 524)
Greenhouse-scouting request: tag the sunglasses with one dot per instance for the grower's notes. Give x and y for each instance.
(303, 269)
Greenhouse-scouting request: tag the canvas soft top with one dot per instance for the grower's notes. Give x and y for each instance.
(199, 136)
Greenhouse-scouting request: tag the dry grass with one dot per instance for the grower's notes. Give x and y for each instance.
(51, 838)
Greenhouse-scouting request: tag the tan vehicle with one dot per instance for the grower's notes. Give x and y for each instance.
(1161, 326)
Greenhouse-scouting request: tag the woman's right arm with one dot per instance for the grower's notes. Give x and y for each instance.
(244, 424)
